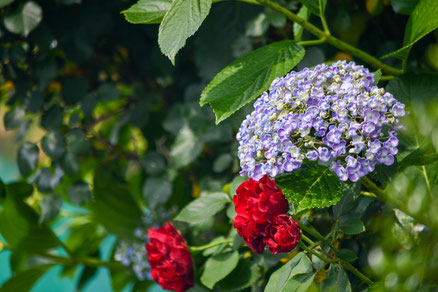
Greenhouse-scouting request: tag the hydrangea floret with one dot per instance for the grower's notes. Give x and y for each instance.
(334, 115)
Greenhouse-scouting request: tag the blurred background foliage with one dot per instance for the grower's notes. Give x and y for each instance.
(103, 137)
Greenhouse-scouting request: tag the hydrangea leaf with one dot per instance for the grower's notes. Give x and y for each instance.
(205, 206)
(147, 11)
(179, 23)
(218, 267)
(314, 188)
(187, 147)
(423, 20)
(248, 77)
(300, 264)
(352, 226)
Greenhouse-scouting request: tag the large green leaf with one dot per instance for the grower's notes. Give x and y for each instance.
(205, 206)
(181, 21)
(299, 283)
(114, 206)
(218, 267)
(245, 275)
(414, 87)
(19, 225)
(423, 20)
(24, 281)
(246, 78)
(24, 19)
(147, 11)
(404, 6)
(317, 187)
(300, 264)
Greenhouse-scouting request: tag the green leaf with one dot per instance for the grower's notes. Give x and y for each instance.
(20, 190)
(157, 191)
(423, 20)
(385, 173)
(147, 11)
(186, 149)
(179, 23)
(352, 226)
(248, 77)
(153, 163)
(50, 206)
(79, 193)
(24, 19)
(245, 275)
(300, 264)
(414, 87)
(52, 118)
(298, 29)
(19, 226)
(27, 158)
(413, 159)
(317, 187)
(108, 92)
(404, 6)
(347, 255)
(53, 144)
(3, 3)
(114, 205)
(315, 6)
(74, 89)
(218, 267)
(14, 118)
(222, 162)
(77, 142)
(203, 207)
(24, 281)
(377, 76)
(343, 281)
(299, 283)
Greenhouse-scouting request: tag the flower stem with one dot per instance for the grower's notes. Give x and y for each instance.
(323, 258)
(196, 249)
(329, 38)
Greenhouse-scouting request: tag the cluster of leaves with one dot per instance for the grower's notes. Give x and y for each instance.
(106, 124)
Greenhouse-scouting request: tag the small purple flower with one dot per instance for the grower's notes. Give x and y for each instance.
(384, 156)
(312, 155)
(324, 154)
(368, 128)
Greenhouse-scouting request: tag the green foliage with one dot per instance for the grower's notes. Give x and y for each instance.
(246, 78)
(147, 11)
(218, 267)
(179, 23)
(313, 188)
(200, 209)
(284, 278)
(118, 132)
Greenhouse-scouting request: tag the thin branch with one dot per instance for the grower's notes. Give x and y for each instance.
(330, 39)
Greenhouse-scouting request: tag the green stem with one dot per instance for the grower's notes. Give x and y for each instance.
(312, 42)
(387, 77)
(71, 261)
(329, 38)
(323, 20)
(196, 249)
(323, 258)
(345, 264)
(311, 231)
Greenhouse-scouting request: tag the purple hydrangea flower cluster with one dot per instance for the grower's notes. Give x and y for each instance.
(335, 115)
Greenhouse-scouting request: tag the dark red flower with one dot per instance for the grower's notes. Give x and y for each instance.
(283, 234)
(257, 203)
(169, 258)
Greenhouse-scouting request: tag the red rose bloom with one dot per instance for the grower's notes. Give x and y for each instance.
(283, 234)
(169, 258)
(257, 203)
